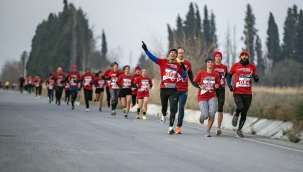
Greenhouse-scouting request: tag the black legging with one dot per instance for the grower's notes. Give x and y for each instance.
(59, 90)
(170, 94)
(73, 94)
(107, 95)
(134, 96)
(67, 95)
(38, 90)
(50, 94)
(243, 102)
(88, 96)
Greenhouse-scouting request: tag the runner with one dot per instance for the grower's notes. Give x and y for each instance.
(59, 78)
(73, 78)
(207, 81)
(29, 84)
(143, 84)
(21, 83)
(50, 84)
(134, 90)
(114, 88)
(182, 86)
(221, 69)
(7, 85)
(169, 68)
(99, 85)
(79, 92)
(37, 83)
(26, 84)
(66, 91)
(244, 71)
(125, 82)
(88, 81)
(106, 77)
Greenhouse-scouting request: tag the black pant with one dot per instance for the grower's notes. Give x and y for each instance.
(29, 88)
(38, 90)
(88, 96)
(107, 95)
(50, 94)
(59, 90)
(73, 94)
(67, 95)
(170, 94)
(221, 98)
(243, 102)
(21, 88)
(134, 96)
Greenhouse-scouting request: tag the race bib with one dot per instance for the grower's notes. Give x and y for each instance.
(170, 74)
(244, 80)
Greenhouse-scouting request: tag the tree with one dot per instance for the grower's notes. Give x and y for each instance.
(23, 60)
(198, 22)
(250, 32)
(11, 71)
(190, 22)
(213, 30)
(206, 26)
(103, 46)
(170, 37)
(299, 39)
(273, 41)
(259, 54)
(289, 36)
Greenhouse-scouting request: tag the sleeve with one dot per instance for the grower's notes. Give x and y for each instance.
(255, 70)
(189, 69)
(218, 79)
(119, 79)
(232, 70)
(197, 77)
(152, 57)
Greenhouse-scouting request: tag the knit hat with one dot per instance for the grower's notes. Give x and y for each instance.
(74, 67)
(209, 59)
(244, 52)
(217, 53)
(87, 67)
(173, 50)
(137, 68)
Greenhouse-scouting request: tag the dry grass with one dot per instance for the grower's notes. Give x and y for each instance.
(268, 102)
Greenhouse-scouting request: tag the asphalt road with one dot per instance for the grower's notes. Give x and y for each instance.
(37, 136)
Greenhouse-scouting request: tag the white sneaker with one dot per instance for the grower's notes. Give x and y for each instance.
(87, 110)
(171, 130)
(162, 119)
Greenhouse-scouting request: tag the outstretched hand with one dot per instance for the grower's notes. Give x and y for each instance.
(144, 46)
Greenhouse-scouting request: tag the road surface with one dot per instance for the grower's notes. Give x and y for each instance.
(37, 136)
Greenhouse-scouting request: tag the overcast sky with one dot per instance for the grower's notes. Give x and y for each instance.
(126, 23)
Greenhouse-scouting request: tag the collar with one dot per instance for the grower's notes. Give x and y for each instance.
(180, 61)
(171, 60)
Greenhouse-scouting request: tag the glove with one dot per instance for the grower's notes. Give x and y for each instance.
(144, 46)
(255, 77)
(231, 88)
(183, 66)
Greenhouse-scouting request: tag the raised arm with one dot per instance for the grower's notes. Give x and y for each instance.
(149, 54)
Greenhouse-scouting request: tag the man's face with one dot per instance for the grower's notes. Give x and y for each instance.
(172, 54)
(244, 56)
(74, 70)
(138, 72)
(144, 72)
(218, 58)
(181, 54)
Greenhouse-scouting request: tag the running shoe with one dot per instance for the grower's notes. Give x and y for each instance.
(87, 110)
(207, 134)
(218, 132)
(171, 131)
(49, 101)
(113, 113)
(143, 117)
(201, 119)
(239, 134)
(125, 116)
(137, 116)
(235, 120)
(178, 130)
(162, 119)
(100, 109)
(73, 107)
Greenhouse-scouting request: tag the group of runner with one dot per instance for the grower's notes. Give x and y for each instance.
(175, 72)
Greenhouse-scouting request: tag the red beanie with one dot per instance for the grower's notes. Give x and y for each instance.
(216, 53)
(137, 68)
(244, 52)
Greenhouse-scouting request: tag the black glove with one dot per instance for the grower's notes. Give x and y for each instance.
(255, 77)
(231, 88)
(144, 46)
(183, 66)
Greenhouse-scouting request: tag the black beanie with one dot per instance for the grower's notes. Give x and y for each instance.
(175, 50)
